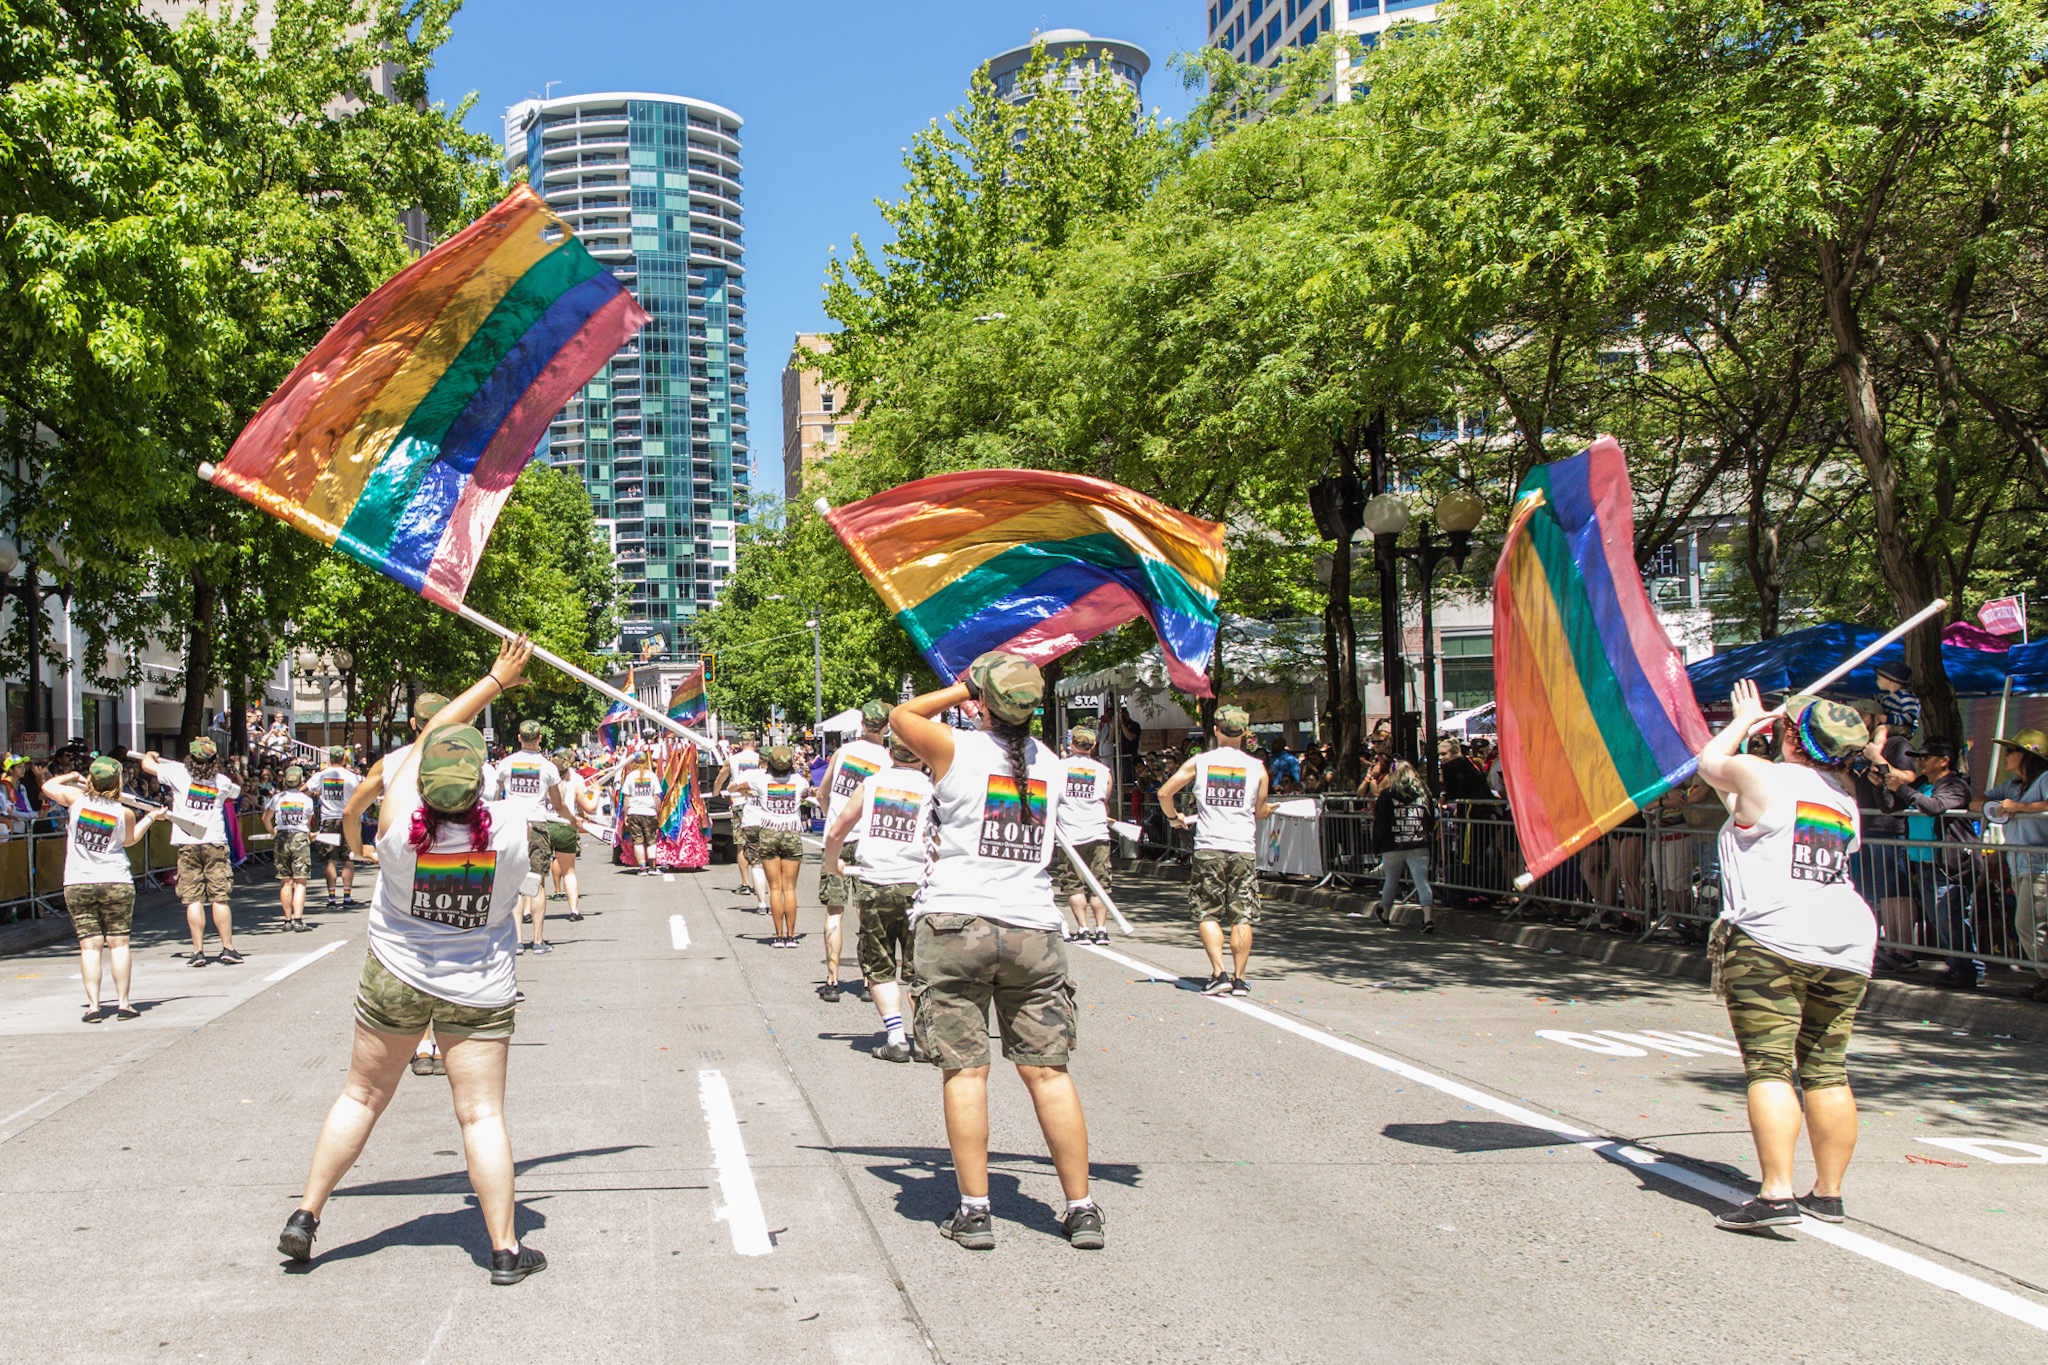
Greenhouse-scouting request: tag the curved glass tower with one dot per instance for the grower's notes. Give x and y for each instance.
(651, 183)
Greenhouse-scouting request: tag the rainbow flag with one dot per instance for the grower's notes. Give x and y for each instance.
(1596, 716)
(679, 792)
(688, 703)
(1037, 563)
(398, 439)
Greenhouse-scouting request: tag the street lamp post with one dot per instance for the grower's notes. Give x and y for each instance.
(1386, 516)
(817, 675)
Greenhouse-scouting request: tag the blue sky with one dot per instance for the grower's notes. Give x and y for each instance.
(831, 93)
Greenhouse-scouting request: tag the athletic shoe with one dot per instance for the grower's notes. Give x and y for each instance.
(541, 946)
(1821, 1207)
(296, 1242)
(1379, 912)
(1237, 986)
(1429, 926)
(522, 946)
(829, 992)
(971, 1228)
(351, 903)
(1083, 1227)
(526, 916)
(1218, 985)
(575, 916)
(229, 957)
(510, 1267)
(1102, 937)
(893, 1052)
(860, 989)
(196, 960)
(1759, 1214)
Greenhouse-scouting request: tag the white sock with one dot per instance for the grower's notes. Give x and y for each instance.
(893, 1023)
(1076, 1205)
(974, 1203)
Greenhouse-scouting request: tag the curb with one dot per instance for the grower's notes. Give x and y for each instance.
(1888, 999)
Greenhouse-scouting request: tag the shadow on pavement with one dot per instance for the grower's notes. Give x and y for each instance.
(925, 1192)
(462, 1228)
(1483, 1136)
(451, 1181)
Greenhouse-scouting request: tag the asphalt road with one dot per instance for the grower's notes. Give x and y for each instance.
(1399, 1149)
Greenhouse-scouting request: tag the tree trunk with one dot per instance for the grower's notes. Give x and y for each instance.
(198, 661)
(238, 716)
(1905, 570)
(1049, 724)
(1760, 552)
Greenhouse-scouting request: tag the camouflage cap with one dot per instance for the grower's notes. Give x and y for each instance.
(902, 752)
(105, 774)
(452, 769)
(1083, 736)
(1233, 720)
(336, 754)
(295, 776)
(1009, 686)
(1829, 731)
(202, 749)
(529, 729)
(874, 716)
(780, 759)
(427, 705)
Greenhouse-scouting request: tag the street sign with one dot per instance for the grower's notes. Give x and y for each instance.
(32, 744)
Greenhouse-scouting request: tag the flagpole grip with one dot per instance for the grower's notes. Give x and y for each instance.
(591, 680)
(1089, 877)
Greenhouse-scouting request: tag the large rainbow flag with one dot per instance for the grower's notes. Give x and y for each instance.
(398, 439)
(688, 703)
(1596, 716)
(1037, 563)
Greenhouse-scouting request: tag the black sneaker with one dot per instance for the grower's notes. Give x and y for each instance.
(860, 989)
(1429, 926)
(829, 992)
(510, 1267)
(196, 960)
(351, 903)
(296, 1241)
(893, 1052)
(1218, 985)
(1759, 1214)
(1237, 986)
(971, 1228)
(575, 916)
(229, 957)
(543, 946)
(1083, 1227)
(1821, 1207)
(1101, 936)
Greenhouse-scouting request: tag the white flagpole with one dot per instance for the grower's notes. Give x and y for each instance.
(1849, 665)
(1089, 877)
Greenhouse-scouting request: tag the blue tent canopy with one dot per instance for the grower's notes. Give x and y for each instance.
(1795, 659)
(2029, 667)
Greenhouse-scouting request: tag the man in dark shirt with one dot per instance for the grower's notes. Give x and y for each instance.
(1936, 805)
(1879, 870)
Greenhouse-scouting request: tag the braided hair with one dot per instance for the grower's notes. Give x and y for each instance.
(1015, 741)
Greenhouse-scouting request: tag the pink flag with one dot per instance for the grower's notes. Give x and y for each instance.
(2003, 616)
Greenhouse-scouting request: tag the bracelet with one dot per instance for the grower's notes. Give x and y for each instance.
(973, 691)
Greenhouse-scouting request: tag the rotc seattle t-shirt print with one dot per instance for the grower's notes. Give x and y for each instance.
(294, 813)
(894, 816)
(853, 770)
(454, 888)
(522, 777)
(1004, 835)
(1820, 843)
(1080, 784)
(1225, 788)
(95, 832)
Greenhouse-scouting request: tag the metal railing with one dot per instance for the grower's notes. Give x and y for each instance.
(32, 865)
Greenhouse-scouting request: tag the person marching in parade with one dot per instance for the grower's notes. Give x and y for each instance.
(335, 784)
(777, 790)
(883, 828)
(443, 943)
(744, 759)
(986, 931)
(640, 793)
(1793, 947)
(856, 762)
(564, 838)
(1084, 823)
(530, 786)
(99, 882)
(289, 818)
(1230, 789)
(198, 787)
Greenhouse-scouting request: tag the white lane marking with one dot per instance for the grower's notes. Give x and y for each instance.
(1984, 1149)
(302, 963)
(75, 1090)
(678, 932)
(1587, 1042)
(441, 1332)
(668, 876)
(1919, 1267)
(742, 1208)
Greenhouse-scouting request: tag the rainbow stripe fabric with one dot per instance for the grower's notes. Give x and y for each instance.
(1037, 563)
(1595, 714)
(688, 703)
(398, 439)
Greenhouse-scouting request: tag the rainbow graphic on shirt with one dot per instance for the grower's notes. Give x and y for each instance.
(781, 798)
(1821, 836)
(1004, 833)
(94, 832)
(202, 796)
(1225, 787)
(894, 815)
(853, 770)
(332, 791)
(454, 888)
(522, 778)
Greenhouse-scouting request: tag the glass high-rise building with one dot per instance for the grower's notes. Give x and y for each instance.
(651, 184)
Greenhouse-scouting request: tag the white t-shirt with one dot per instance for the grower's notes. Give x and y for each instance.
(291, 812)
(1226, 789)
(641, 792)
(1787, 876)
(444, 922)
(744, 761)
(855, 763)
(991, 862)
(779, 801)
(95, 843)
(335, 785)
(198, 800)
(1084, 805)
(891, 833)
(524, 781)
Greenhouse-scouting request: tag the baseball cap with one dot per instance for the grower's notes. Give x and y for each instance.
(427, 705)
(902, 752)
(105, 774)
(779, 759)
(1083, 735)
(1233, 720)
(336, 754)
(1828, 729)
(202, 749)
(1934, 747)
(1009, 686)
(452, 769)
(529, 729)
(874, 715)
(294, 776)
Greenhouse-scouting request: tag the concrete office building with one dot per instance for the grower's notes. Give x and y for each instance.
(1259, 31)
(814, 415)
(651, 183)
(1127, 61)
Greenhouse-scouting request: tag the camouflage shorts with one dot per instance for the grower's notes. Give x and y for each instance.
(884, 927)
(388, 1005)
(204, 874)
(540, 851)
(101, 909)
(750, 843)
(293, 852)
(1067, 882)
(1224, 887)
(641, 829)
(779, 843)
(336, 852)
(1790, 1018)
(837, 891)
(963, 963)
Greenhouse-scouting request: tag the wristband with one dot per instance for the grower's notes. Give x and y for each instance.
(973, 690)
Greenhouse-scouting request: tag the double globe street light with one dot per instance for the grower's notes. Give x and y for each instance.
(1458, 514)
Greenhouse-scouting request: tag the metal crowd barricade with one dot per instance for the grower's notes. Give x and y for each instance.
(32, 866)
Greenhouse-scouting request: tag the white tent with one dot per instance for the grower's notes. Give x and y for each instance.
(846, 723)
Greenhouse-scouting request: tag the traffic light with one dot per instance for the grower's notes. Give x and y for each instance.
(710, 668)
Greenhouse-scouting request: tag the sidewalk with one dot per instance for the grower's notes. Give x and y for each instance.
(1981, 1011)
